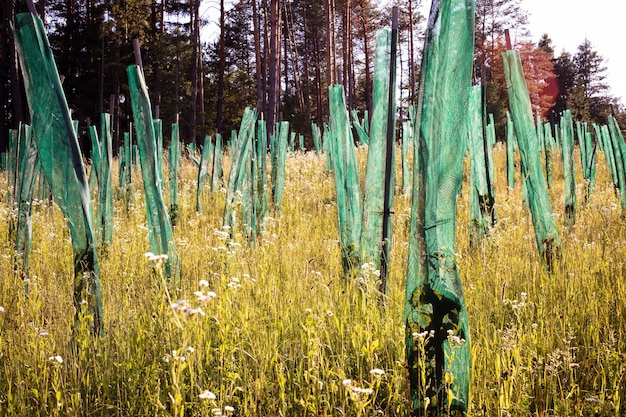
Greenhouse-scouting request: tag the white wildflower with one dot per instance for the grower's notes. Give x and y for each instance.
(377, 372)
(207, 395)
(56, 358)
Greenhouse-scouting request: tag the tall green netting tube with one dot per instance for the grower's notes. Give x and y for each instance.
(159, 226)
(569, 172)
(28, 164)
(480, 217)
(158, 132)
(347, 184)
(317, 138)
(262, 198)
(609, 155)
(204, 168)
(241, 150)
(588, 159)
(546, 232)
(510, 152)
(175, 155)
(373, 205)
(216, 172)
(548, 145)
(12, 163)
(61, 159)
(326, 141)
(619, 154)
(360, 131)
(105, 184)
(437, 328)
(407, 141)
(96, 155)
(279, 159)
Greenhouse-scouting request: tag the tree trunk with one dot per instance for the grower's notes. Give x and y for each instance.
(222, 70)
(195, 44)
(368, 72)
(274, 66)
(257, 58)
(330, 42)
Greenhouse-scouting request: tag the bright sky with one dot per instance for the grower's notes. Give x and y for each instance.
(569, 22)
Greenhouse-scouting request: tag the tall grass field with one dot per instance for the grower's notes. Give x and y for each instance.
(272, 328)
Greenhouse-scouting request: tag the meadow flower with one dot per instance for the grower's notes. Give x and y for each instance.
(229, 409)
(2, 309)
(203, 283)
(56, 358)
(203, 298)
(377, 372)
(455, 340)
(207, 395)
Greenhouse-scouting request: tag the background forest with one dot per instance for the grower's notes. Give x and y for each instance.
(280, 55)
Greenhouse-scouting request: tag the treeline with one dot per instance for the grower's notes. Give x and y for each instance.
(279, 56)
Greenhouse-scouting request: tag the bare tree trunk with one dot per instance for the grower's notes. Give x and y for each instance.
(19, 115)
(274, 66)
(368, 71)
(411, 54)
(257, 58)
(330, 42)
(195, 44)
(306, 85)
(347, 53)
(222, 70)
(318, 78)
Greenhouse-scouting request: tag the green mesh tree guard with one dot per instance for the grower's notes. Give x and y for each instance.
(12, 164)
(327, 148)
(216, 172)
(598, 134)
(480, 193)
(360, 131)
(204, 169)
(619, 155)
(158, 131)
(61, 159)
(510, 152)
(373, 204)
(546, 232)
(96, 155)
(347, 184)
(127, 175)
(490, 143)
(105, 184)
(240, 150)
(159, 226)
(191, 153)
(588, 160)
(567, 146)
(609, 155)
(175, 154)
(317, 138)
(407, 140)
(437, 329)
(28, 163)
(540, 133)
(292, 140)
(121, 160)
(548, 144)
(262, 198)
(279, 159)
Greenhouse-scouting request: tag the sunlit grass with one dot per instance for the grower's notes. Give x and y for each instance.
(286, 335)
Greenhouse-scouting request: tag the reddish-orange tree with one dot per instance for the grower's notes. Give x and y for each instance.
(540, 79)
